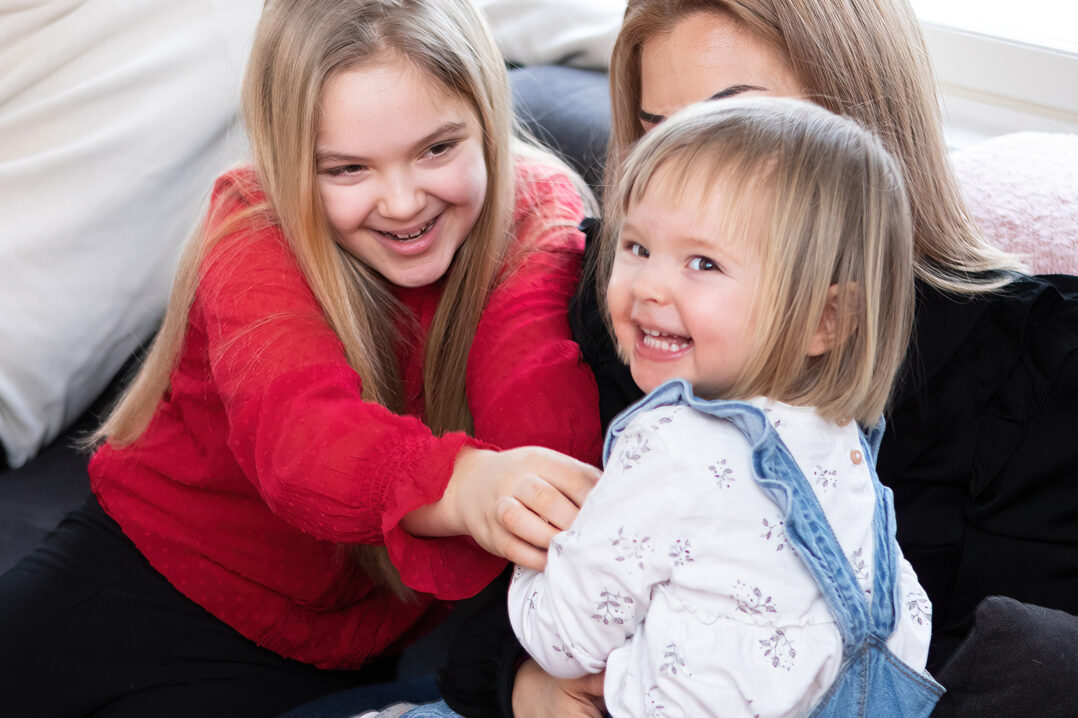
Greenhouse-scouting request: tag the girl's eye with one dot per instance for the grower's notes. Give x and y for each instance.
(344, 170)
(703, 264)
(441, 149)
(637, 250)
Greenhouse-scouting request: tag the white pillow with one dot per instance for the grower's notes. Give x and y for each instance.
(579, 33)
(114, 120)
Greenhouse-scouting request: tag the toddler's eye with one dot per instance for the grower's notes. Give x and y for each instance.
(638, 250)
(703, 264)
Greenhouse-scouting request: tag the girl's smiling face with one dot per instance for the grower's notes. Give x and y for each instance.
(682, 288)
(401, 171)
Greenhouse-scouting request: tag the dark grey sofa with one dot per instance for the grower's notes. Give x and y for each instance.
(34, 497)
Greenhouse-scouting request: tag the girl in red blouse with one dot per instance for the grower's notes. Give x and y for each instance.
(358, 403)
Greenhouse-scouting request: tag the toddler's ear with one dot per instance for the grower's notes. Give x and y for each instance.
(827, 333)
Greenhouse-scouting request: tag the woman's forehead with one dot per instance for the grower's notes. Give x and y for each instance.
(709, 55)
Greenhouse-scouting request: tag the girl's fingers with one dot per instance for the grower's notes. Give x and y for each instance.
(512, 502)
(524, 554)
(524, 524)
(575, 479)
(547, 502)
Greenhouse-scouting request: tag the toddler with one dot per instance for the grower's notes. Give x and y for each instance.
(738, 557)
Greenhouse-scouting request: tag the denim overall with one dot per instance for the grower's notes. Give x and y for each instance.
(872, 681)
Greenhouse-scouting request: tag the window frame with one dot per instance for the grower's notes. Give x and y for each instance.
(993, 85)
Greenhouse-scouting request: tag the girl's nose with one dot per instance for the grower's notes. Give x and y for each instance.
(401, 197)
(651, 283)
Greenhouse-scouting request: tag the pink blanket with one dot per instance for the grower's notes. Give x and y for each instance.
(1022, 190)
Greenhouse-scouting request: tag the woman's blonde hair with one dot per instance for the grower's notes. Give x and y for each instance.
(865, 59)
(299, 45)
(832, 231)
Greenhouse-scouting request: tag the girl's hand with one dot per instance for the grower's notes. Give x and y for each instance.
(511, 502)
(514, 502)
(536, 694)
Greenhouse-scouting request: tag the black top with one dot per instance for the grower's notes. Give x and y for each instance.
(617, 390)
(981, 452)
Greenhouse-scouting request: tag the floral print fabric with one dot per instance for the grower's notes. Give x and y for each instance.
(678, 578)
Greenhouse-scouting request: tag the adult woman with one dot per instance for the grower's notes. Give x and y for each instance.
(982, 507)
(983, 492)
(297, 474)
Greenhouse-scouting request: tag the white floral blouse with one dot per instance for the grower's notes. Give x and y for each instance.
(678, 580)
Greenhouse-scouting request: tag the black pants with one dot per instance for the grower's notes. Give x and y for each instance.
(89, 628)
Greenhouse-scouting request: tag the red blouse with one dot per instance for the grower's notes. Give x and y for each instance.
(262, 456)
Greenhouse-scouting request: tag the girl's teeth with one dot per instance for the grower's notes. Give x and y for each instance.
(652, 340)
(414, 235)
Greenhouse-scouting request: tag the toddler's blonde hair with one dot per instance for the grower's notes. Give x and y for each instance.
(834, 227)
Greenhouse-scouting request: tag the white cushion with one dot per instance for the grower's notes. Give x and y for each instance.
(579, 33)
(114, 120)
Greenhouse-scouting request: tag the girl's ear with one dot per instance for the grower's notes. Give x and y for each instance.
(826, 337)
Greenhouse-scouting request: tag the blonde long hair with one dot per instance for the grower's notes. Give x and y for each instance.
(865, 59)
(299, 45)
(835, 229)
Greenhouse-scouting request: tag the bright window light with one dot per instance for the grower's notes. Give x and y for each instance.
(1048, 23)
